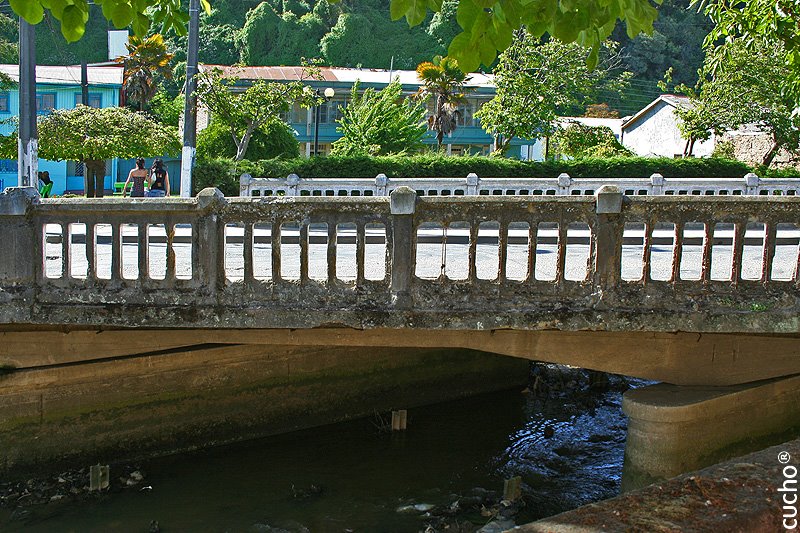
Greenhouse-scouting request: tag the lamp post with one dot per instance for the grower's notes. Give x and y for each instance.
(327, 94)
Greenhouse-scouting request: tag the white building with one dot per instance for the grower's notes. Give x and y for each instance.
(653, 131)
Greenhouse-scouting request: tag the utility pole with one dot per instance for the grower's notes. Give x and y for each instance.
(190, 105)
(28, 143)
(84, 83)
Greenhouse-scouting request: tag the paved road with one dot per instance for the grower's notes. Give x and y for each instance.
(432, 254)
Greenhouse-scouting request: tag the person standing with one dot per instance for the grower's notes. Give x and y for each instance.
(137, 177)
(159, 180)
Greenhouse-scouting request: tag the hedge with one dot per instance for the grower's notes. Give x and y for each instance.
(224, 173)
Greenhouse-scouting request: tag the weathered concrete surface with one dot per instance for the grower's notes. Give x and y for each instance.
(108, 409)
(741, 495)
(678, 358)
(678, 429)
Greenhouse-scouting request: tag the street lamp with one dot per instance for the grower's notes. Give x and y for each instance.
(327, 94)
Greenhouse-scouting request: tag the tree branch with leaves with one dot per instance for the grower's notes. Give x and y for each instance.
(247, 110)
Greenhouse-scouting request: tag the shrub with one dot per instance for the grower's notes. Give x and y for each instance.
(277, 139)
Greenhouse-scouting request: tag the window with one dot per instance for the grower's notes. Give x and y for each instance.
(5, 102)
(8, 165)
(45, 102)
(74, 168)
(95, 100)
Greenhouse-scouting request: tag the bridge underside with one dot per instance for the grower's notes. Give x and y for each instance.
(713, 359)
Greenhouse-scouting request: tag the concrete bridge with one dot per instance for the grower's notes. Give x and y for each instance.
(698, 291)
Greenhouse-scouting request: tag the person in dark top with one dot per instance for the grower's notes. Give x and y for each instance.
(137, 177)
(159, 180)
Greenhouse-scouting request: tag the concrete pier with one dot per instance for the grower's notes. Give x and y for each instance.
(673, 429)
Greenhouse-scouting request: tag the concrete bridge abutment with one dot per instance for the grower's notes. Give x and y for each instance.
(676, 429)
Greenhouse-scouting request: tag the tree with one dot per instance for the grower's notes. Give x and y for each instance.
(443, 81)
(90, 134)
(488, 26)
(380, 122)
(752, 22)
(534, 82)
(740, 84)
(577, 140)
(73, 14)
(146, 58)
(245, 112)
(276, 139)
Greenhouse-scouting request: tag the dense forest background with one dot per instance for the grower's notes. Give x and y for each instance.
(359, 33)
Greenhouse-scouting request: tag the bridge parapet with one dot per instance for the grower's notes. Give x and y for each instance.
(473, 185)
(610, 262)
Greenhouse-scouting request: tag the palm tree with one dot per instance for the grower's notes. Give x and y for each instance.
(443, 80)
(145, 58)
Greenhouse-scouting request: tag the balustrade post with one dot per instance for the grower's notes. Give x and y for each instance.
(473, 184)
(657, 184)
(22, 249)
(208, 240)
(381, 185)
(402, 203)
(751, 183)
(564, 183)
(244, 185)
(609, 228)
(292, 181)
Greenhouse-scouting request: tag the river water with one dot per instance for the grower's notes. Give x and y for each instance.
(568, 449)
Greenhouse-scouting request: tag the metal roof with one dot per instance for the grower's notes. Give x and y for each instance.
(337, 74)
(69, 75)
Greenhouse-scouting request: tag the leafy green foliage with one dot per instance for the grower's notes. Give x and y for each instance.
(752, 22)
(276, 139)
(741, 85)
(245, 112)
(166, 109)
(535, 82)
(272, 39)
(439, 165)
(74, 14)
(487, 26)
(380, 122)
(221, 173)
(85, 133)
(580, 141)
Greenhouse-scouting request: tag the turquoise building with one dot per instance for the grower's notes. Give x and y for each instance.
(59, 87)
(469, 137)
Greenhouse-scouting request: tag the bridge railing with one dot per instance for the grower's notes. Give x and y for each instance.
(487, 261)
(473, 185)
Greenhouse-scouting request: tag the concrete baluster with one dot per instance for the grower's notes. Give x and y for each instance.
(564, 183)
(171, 274)
(502, 249)
(770, 233)
(361, 239)
(752, 183)
(656, 184)
(304, 252)
(533, 231)
(292, 183)
(473, 251)
(402, 204)
(610, 226)
(677, 252)
(66, 244)
(20, 262)
(247, 248)
(561, 247)
(647, 273)
(244, 185)
(116, 249)
(143, 258)
(708, 243)
(738, 250)
(331, 251)
(209, 240)
(276, 250)
(473, 184)
(381, 184)
(91, 268)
